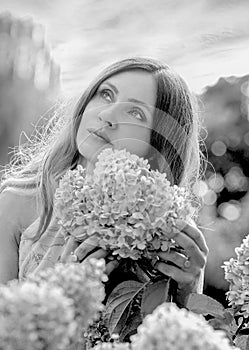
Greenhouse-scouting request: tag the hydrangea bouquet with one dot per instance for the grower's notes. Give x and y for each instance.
(132, 211)
(130, 208)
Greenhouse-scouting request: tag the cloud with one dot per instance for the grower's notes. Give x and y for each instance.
(85, 35)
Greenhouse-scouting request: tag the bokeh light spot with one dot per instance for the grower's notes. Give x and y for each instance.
(235, 179)
(210, 197)
(234, 139)
(218, 148)
(246, 138)
(245, 88)
(230, 210)
(216, 182)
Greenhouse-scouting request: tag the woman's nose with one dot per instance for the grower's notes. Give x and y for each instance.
(108, 115)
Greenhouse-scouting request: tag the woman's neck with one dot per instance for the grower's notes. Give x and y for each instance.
(89, 166)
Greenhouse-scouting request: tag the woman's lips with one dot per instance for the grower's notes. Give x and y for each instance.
(98, 136)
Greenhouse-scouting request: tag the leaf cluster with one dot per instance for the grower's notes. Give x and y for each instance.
(131, 300)
(228, 320)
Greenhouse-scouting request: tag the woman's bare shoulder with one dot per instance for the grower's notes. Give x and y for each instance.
(17, 209)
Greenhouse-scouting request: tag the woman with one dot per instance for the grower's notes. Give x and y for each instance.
(138, 104)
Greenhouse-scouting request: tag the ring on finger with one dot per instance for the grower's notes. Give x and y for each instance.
(187, 263)
(74, 257)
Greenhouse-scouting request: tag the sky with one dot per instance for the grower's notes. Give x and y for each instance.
(200, 39)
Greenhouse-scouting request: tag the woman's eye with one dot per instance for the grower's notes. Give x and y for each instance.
(137, 114)
(106, 94)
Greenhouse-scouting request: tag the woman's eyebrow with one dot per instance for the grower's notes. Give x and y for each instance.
(130, 99)
(140, 102)
(112, 86)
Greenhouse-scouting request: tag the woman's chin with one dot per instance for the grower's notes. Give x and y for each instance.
(89, 154)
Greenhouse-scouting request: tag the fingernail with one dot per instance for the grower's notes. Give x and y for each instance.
(66, 238)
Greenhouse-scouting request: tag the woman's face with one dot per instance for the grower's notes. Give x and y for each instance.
(121, 113)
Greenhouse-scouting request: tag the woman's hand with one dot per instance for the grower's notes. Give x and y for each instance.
(81, 253)
(188, 266)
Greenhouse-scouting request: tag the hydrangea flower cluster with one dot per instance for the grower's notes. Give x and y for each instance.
(81, 283)
(237, 274)
(171, 328)
(127, 206)
(35, 317)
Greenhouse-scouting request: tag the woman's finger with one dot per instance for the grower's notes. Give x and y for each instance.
(101, 253)
(77, 233)
(86, 247)
(195, 255)
(70, 247)
(195, 234)
(110, 266)
(175, 257)
(176, 273)
(98, 254)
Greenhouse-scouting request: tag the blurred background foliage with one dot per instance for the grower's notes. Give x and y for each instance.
(224, 217)
(29, 80)
(30, 86)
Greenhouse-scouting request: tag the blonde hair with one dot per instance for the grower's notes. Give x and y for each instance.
(38, 165)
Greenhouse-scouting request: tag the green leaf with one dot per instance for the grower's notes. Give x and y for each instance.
(242, 342)
(228, 317)
(140, 273)
(130, 327)
(218, 324)
(154, 294)
(205, 305)
(119, 302)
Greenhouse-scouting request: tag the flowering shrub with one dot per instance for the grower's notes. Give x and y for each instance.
(237, 274)
(81, 283)
(233, 320)
(171, 328)
(35, 317)
(129, 208)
